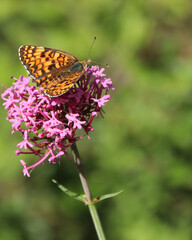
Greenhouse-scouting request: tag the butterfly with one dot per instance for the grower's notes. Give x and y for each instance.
(54, 70)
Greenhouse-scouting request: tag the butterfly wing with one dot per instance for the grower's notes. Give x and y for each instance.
(61, 83)
(40, 61)
(56, 71)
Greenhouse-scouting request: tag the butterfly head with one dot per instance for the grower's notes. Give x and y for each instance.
(88, 61)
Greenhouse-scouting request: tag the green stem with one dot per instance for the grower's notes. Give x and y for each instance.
(87, 192)
(96, 222)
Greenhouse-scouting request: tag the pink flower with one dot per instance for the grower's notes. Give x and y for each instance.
(49, 125)
(25, 143)
(25, 170)
(101, 101)
(73, 118)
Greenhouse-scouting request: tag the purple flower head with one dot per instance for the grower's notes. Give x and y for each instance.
(49, 125)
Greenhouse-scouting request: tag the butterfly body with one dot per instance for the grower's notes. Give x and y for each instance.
(54, 70)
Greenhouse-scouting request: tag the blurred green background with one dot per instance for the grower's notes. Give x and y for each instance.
(144, 142)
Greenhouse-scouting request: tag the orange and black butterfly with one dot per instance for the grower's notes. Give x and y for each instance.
(54, 70)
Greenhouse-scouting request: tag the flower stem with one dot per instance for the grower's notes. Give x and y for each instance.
(97, 222)
(87, 192)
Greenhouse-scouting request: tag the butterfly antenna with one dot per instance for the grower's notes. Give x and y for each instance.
(91, 47)
(88, 59)
(105, 64)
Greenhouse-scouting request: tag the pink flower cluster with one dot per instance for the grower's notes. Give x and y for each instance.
(49, 125)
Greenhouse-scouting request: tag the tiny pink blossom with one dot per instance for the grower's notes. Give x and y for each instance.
(73, 118)
(99, 74)
(25, 143)
(49, 125)
(101, 101)
(25, 170)
(54, 157)
(17, 152)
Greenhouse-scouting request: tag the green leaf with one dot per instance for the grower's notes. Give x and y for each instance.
(110, 195)
(71, 194)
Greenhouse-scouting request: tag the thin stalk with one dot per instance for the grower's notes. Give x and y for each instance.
(83, 178)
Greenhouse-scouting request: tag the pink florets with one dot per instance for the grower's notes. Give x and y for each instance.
(49, 125)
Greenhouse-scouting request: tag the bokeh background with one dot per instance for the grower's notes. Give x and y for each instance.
(144, 143)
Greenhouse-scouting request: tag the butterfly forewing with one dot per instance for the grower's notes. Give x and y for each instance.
(41, 60)
(50, 68)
